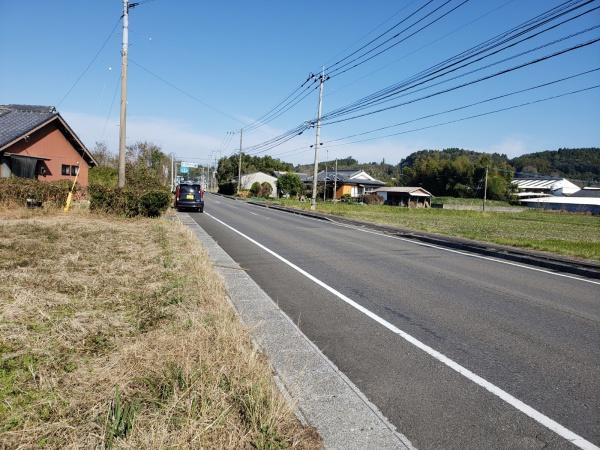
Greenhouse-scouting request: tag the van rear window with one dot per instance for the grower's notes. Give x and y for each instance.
(189, 188)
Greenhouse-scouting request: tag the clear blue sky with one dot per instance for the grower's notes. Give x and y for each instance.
(243, 57)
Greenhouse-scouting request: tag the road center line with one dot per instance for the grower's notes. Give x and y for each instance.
(542, 419)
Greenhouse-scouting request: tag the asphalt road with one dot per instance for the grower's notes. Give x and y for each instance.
(532, 334)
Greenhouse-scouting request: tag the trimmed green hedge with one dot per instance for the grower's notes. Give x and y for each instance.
(128, 202)
(16, 191)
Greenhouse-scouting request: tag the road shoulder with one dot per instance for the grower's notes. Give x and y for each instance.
(323, 396)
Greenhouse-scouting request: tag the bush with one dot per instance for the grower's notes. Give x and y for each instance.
(154, 203)
(128, 202)
(265, 189)
(373, 199)
(255, 189)
(105, 176)
(18, 190)
(227, 188)
(290, 183)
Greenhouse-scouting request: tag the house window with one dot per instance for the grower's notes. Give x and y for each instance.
(68, 170)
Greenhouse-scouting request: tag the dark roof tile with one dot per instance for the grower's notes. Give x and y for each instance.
(17, 120)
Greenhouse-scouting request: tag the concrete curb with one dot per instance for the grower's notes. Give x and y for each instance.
(530, 257)
(323, 396)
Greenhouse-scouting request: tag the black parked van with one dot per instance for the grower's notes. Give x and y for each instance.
(189, 196)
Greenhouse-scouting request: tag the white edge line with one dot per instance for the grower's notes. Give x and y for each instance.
(542, 419)
(472, 255)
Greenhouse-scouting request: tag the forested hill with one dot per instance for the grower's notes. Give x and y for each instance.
(574, 163)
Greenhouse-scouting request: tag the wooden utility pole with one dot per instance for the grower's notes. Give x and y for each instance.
(123, 117)
(485, 188)
(240, 164)
(335, 182)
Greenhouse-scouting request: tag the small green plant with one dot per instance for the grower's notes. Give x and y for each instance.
(119, 421)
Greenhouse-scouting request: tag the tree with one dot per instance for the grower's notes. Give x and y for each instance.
(255, 189)
(266, 189)
(290, 184)
(103, 156)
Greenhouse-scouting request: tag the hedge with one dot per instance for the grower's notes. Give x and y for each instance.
(128, 202)
(16, 191)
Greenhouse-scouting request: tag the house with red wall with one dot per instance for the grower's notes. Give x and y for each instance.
(36, 142)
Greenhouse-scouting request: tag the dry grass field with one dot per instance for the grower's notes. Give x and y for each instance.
(116, 333)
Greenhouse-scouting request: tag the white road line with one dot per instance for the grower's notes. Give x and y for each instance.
(472, 255)
(542, 419)
(253, 213)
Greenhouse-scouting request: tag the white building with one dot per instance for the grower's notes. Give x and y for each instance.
(249, 179)
(543, 187)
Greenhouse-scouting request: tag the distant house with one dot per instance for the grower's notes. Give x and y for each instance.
(412, 197)
(249, 179)
(543, 187)
(354, 183)
(279, 173)
(36, 142)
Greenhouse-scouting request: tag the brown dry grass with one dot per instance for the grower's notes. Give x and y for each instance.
(89, 304)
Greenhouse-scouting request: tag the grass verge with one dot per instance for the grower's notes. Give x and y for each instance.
(568, 234)
(116, 333)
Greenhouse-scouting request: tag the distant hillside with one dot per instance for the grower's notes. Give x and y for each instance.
(575, 163)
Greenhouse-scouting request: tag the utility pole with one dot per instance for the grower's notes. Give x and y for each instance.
(313, 201)
(240, 164)
(123, 118)
(335, 182)
(485, 188)
(172, 173)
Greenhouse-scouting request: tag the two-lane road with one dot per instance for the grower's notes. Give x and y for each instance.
(457, 351)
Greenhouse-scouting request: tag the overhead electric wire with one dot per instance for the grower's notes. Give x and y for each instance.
(91, 63)
(400, 87)
(333, 73)
(403, 92)
(478, 80)
(285, 105)
(184, 92)
(454, 31)
(473, 51)
(470, 105)
(376, 27)
(487, 113)
(397, 24)
(426, 75)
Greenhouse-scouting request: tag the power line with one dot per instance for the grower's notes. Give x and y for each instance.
(480, 102)
(359, 63)
(456, 30)
(487, 113)
(91, 63)
(186, 93)
(472, 82)
(421, 77)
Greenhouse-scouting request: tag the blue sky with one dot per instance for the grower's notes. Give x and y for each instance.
(244, 57)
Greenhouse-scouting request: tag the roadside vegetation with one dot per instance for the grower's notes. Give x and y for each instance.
(116, 333)
(567, 234)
